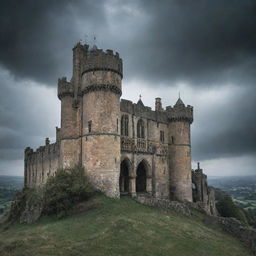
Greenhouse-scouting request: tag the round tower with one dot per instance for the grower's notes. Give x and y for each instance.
(69, 94)
(180, 118)
(69, 132)
(101, 90)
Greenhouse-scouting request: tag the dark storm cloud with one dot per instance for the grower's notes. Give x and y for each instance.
(26, 117)
(207, 44)
(36, 37)
(198, 41)
(226, 128)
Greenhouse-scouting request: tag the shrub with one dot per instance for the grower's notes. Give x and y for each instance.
(64, 190)
(227, 208)
(60, 193)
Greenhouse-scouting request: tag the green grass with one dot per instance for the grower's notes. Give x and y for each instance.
(119, 227)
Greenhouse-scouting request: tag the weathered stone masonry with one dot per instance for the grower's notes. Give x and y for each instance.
(125, 147)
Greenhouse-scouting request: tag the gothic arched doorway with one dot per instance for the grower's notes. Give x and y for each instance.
(124, 177)
(141, 178)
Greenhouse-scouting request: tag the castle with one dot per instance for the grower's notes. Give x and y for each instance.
(124, 147)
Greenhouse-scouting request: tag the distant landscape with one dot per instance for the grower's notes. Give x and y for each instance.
(9, 185)
(241, 188)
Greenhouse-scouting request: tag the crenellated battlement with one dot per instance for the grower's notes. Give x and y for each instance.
(97, 59)
(65, 88)
(180, 113)
(41, 163)
(80, 46)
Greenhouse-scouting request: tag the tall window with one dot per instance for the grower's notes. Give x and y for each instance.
(140, 129)
(162, 136)
(124, 125)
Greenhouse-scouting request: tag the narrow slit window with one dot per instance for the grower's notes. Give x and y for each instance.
(90, 126)
(162, 136)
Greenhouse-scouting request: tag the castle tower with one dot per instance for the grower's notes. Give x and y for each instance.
(69, 94)
(101, 91)
(180, 117)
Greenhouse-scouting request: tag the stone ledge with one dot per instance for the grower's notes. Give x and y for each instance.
(101, 87)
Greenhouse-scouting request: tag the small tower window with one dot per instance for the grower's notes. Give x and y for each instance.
(162, 136)
(90, 126)
(117, 124)
(140, 129)
(125, 125)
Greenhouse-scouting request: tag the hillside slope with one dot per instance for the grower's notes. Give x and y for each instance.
(119, 227)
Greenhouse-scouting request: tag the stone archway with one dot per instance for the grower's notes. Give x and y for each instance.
(141, 178)
(124, 177)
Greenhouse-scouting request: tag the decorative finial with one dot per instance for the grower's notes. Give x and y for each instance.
(198, 165)
(94, 40)
(179, 95)
(140, 96)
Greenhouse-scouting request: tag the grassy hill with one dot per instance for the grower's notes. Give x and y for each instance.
(119, 227)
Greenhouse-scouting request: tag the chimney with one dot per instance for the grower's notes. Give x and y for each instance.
(158, 104)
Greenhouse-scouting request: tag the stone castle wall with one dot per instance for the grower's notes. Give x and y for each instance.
(41, 164)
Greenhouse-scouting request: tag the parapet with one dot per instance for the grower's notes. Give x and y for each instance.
(79, 46)
(97, 59)
(28, 152)
(139, 110)
(180, 113)
(65, 88)
(126, 106)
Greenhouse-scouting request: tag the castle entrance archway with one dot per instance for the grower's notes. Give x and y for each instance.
(141, 178)
(124, 177)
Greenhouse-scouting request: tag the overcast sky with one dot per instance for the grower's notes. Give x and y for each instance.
(206, 50)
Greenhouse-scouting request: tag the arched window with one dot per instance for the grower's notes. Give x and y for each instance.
(124, 125)
(140, 129)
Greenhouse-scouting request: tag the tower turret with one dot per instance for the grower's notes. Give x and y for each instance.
(158, 104)
(79, 58)
(69, 132)
(180, 117)
(101, 90)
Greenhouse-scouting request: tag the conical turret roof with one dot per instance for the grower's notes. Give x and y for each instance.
(179, 102)
(140, 103)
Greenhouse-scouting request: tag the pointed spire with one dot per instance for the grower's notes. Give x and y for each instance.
(140, 101)
(179, 103)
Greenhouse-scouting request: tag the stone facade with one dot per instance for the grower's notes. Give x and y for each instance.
(124, 147)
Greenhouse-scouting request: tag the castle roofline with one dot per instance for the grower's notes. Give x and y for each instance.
(179, 102)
